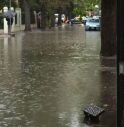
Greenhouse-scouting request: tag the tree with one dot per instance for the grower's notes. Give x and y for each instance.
(79, 7)
(62, 5)
(90, 4)
(47, 7)
(108, 30)
(27, 15)
(7, 3)
(82, 6)
(27, 5)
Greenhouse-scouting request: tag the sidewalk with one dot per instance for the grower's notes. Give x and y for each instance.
(17, 29)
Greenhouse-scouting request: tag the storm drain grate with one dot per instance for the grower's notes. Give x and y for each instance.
(92, 112)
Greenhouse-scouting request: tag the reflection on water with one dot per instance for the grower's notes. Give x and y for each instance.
(48, 77)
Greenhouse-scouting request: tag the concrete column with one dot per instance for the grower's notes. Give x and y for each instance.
(5, 9)
(120, 63)
(18, 15)
(35, 16)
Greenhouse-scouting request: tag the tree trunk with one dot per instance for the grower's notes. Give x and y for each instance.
(43, 21)
(108, 27)
(27, 16)
(59, 16)
(43, 18)
(52, 20)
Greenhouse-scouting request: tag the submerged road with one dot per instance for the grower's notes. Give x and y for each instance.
(48, 77)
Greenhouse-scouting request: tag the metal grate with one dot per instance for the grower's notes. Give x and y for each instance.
(93, 110)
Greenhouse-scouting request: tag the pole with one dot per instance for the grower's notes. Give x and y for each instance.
(10, 3)
(120, 63)
(10, 18)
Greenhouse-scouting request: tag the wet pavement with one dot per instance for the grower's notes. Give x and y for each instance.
(48, 77)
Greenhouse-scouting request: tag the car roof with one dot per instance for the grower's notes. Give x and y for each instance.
(93, 19)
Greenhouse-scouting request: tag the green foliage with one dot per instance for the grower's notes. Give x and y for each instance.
(69, 7)
(90, 4)
(7, 3)
(81, 6)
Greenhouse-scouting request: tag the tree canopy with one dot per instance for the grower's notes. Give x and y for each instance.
(7, 3)
(50, 7)
(81, 6)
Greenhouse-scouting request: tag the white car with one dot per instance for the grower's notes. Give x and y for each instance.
(93, 24)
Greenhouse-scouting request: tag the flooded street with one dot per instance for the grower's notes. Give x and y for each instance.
(48, 77)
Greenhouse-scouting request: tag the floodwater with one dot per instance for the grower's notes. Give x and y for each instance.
(48, 77)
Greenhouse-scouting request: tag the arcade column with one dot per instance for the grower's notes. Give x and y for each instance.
(120, 62)
(5, 9)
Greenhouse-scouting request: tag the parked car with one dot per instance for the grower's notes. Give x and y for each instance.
(93, 24)
(96, 17)
(75, 21)
(84, 19)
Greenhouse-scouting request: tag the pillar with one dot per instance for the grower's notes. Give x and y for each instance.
(18, 17)
(120, 63)
(5, 9)
(35, 16)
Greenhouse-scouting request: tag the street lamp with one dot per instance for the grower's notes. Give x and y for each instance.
(96, 6)
(97, 9)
